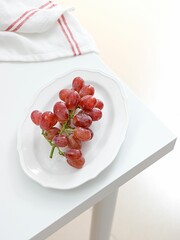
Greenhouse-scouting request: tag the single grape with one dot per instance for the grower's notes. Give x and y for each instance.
(86, 90)
(63, 93)
(73, 142)
(48, 120)
(50, 133)
(77, 83)
(36, 117)
(60, 140)
(99, 104)
(95, 114)
(76, 163)
(61, 112)
(82, 134)
(73, 154)
(81, 119)
(72, 100)
(87, 102)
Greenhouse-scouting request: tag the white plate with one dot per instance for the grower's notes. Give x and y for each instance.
(109, 133)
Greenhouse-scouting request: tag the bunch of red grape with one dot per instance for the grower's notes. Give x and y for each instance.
(67, 126)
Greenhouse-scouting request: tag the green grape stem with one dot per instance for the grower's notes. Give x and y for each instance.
(63, 128)
(66, 128)
(52, 151)
(60, 152)
(71, 114)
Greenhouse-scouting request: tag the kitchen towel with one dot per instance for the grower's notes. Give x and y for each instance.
(40, 30)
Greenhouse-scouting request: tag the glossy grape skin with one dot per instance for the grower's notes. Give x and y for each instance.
(87, 102)
(72, 100)
(51, 133)
(99, 104)
(76, 163)
(82, 134)
(77, 83)
(81, 119)
(73, 142)
(87, 90)
(60, 140)
(92, 134)
(73, 154)
(95, 114)
(63, 93)
(48, 120)
(36, 117)
(61, 111)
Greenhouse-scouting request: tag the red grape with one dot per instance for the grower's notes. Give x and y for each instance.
(99, 104)
(77, 83)
(50, 133)
(76, 163)
(73, 154)
(81, 119)
(87, 102)
(60, 110)
(36, 117)
(72, 100)
(82, 134)
(73, 142)
(60, 140)
(63, 93)
(95, 114)
(48, 120)
(86, 90)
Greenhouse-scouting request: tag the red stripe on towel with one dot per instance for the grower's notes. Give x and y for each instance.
(29, 16)
(53, 5)
(24, 14)
(70, 32)
(67, 37)
(44, 5)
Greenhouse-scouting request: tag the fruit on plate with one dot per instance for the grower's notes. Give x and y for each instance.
(67, 126)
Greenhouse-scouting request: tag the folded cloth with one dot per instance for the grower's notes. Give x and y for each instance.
(40, 30)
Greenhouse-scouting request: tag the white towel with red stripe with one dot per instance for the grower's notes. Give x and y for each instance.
(40, 30)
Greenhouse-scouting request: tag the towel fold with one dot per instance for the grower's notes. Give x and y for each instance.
(40, 30)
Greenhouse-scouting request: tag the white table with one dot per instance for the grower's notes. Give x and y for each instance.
(29, 211)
